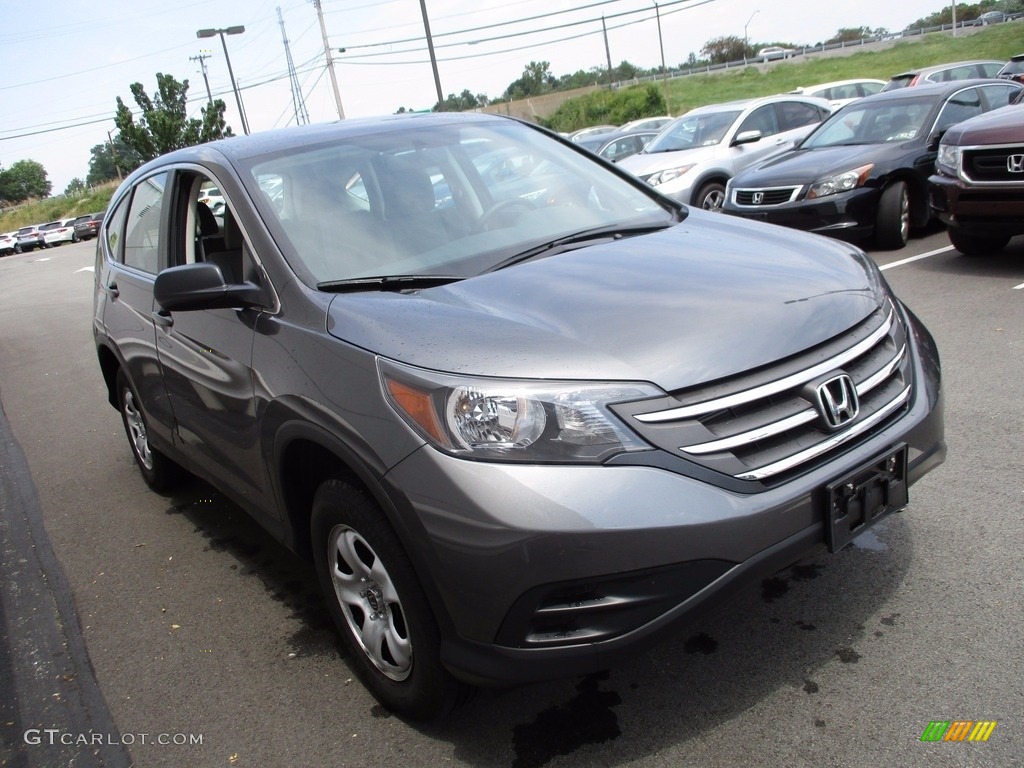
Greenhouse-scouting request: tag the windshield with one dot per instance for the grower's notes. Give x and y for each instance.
(873, 123)
(452, 199)
(697, 129)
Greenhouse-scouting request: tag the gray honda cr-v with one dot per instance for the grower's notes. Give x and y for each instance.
(521, 411)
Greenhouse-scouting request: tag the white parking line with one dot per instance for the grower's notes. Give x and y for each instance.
(85, 269)
(920, 256)
(1018, 287)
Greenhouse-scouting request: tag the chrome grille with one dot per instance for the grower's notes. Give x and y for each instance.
(992, 165)
(758, 197)
(766, 424)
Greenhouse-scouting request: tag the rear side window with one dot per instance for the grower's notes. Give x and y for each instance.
(142, 236)
(795, 114)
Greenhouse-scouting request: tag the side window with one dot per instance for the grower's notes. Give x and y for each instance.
(961, 106)
(142, 237)
(998, 95)
(761, 119)
(114, 230)
(795, 114)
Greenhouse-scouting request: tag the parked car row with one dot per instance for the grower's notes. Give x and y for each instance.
(52, 233)
(864, 172)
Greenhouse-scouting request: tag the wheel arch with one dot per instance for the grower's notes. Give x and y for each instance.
(109, 366)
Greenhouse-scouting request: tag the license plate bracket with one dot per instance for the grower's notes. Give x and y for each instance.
(863, 497)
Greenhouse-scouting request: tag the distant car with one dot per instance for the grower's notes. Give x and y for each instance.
(88, 227)
(1013, 69)
(842, 92)
(618, 145)
(592, 131)
(646, 124)
(59, 232)
(864, 171)
(978, 185)
(212, 197)
(9, 244)
(695, 155)
(773, 52)
(29, 238)
(941, 73)
(991, 17)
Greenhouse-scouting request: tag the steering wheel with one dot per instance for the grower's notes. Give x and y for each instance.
(493, 215)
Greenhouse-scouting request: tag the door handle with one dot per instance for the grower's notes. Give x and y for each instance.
(113, 290)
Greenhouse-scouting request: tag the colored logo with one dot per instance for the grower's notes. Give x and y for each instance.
(958, 730)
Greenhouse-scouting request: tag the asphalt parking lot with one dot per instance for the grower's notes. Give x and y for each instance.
(166, 631)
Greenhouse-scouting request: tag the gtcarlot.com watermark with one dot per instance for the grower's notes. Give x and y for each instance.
(54, 737)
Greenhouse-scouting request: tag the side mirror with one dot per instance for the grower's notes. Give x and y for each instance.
(935, 138)
(746, 137)
(201, 286)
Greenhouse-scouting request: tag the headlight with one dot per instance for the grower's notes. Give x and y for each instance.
(513, 419)
(948, 159)
(840, 182)
(661, 177)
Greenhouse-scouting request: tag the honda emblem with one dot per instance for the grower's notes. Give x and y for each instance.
(1015, 163)
(837, 401)
(757, 198)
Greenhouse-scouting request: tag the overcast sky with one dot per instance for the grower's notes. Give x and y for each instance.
(64, 62)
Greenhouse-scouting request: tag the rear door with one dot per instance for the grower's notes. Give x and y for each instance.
(133, 252)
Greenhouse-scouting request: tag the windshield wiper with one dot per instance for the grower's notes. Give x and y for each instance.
(598, 233)
(386, 283)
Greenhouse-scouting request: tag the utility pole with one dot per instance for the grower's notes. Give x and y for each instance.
(433, 58)
(201, 58)
(113, 155)
(301, 115)
(607, 51)
(330, 61)
(664, 72)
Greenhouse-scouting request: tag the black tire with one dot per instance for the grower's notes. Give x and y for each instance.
(159, 472)
(366, 577)
(892, 219)
(976, 245)
(710, 197)
(74, 237)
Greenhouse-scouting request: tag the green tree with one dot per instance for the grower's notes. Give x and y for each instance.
(23, 180)
(719, 50)
(74, 187)
(535, 80)
(463, 102)
(105, 162)
(164, 124)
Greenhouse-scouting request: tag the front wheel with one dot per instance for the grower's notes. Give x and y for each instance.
(976, 245)
(711, 197)
(892, 220)
(159, 472)
(378, 605)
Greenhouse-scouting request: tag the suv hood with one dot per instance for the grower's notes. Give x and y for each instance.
(705, 299)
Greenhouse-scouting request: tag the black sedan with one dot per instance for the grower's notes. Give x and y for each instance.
(864, 171)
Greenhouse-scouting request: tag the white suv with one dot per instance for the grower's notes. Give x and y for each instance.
(694, 156)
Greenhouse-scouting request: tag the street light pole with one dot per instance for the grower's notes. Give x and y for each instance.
(746, 40)
(234, 85)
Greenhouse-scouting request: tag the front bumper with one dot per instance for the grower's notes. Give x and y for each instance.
(552, 571)
(986, 211)
(846, 215)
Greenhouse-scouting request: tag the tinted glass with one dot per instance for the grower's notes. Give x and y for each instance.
(142, 238)
(873, 123)
(702, 129)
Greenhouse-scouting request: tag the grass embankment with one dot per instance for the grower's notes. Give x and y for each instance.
(53, 208)
(998, 42)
